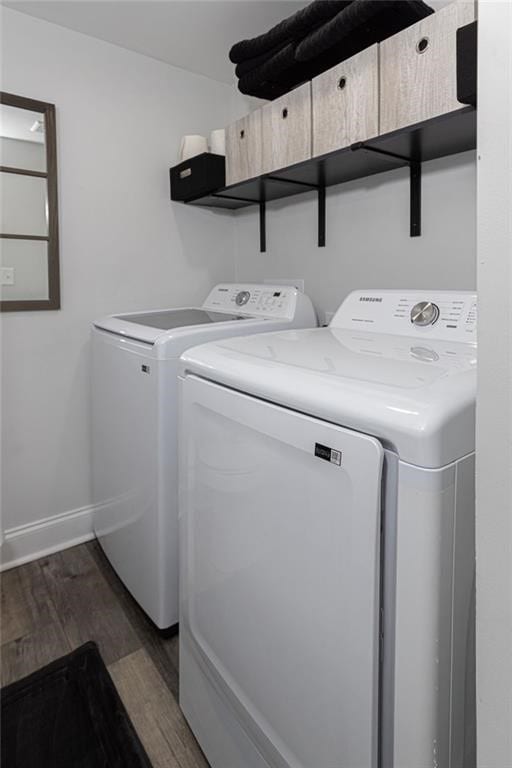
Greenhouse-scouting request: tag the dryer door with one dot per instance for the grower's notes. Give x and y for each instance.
(280, 529)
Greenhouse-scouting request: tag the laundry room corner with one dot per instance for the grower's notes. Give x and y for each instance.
(256, 383)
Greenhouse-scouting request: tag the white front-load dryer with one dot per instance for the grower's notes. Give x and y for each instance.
(135, 361)
(327, 539)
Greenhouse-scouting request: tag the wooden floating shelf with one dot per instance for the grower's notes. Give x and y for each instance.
(438, 137)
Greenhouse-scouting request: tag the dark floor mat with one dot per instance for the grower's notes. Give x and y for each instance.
(68, 715)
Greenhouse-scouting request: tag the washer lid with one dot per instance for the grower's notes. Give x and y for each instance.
(167, 319)
(152, 325)
(417, 395)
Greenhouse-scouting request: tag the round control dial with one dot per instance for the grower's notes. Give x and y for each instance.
(242, 298)
(424, 313)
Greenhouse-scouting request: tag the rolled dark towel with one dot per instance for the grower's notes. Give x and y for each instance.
(363, 22)
(356, 27)
(244, 67)
(292, 28)
(248, 65)
(273, 68)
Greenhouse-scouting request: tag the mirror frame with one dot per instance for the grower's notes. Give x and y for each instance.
(52, 238)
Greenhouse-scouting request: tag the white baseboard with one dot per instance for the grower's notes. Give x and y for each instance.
(51, 534)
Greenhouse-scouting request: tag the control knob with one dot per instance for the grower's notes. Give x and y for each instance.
(242, 298)
(424, 313)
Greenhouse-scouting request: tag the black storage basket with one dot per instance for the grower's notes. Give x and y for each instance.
(198, 176)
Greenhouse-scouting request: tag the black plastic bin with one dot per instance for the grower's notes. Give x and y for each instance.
(197, 176)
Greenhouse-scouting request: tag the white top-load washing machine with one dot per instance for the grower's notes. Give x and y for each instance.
(135, 422)
(327, 539)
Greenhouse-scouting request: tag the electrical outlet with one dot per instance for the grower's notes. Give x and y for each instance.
(298, 282)
(6, 275)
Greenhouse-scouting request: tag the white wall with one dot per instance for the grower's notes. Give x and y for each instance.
(124, 246)
(494, 400)
(368, 243)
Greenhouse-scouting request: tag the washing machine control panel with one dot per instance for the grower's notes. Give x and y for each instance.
(426, 314)
(253, 300)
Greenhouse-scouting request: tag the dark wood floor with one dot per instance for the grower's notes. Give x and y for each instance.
(53, 605)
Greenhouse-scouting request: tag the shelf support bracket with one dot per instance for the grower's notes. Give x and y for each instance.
(321, 216)
(376, 150)
(415, 193)
(291, 181)
(263, 227)
(414, 185)
(320, 188)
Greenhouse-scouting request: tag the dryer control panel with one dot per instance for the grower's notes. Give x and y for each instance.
(253, 300)
(426, 314)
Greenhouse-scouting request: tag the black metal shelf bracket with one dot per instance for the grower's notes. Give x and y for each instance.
(377, 151)
(263, 210)
(414, 185)
(263, 227)
(320, 188)
(321, 216)
(414, 191)
(292, 181)
(415, 194)
(223, 196)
